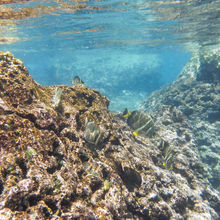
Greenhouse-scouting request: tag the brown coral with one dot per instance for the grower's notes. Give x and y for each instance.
(48, 170)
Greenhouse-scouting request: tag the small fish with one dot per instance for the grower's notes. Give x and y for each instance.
(140, 122)
(93, 133)
(135, 133)
(76, 81)
(145, 129)
(126, 113)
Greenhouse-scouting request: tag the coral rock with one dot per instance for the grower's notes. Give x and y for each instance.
(48, 170)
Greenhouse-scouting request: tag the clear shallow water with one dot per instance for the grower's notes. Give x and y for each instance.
(125, 49)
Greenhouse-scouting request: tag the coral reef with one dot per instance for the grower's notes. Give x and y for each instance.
(48, 169)
(196, 93)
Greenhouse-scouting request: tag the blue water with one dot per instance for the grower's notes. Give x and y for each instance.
(124, 49)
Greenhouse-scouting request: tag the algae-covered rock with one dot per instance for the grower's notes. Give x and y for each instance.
(209, 68)
(50, 169)
(196, 92)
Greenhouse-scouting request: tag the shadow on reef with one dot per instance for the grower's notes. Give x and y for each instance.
(65, 156)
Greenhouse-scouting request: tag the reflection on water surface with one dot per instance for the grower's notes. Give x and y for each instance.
(190, 22)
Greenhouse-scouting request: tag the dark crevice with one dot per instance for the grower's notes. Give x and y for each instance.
(67, 115)
(180, 205)
(131, 208)
(3, 81)
(80, 173)
(96, 114)
(29, 100)
(5, 112)
(5, 172)
(11, 75)
(105, 173)
(34, 199)
(33, 119)
(62, 126)
(52, 169)
(55, 145)
(95, 184)
(71, 136)
(130, 177)
(83, 156)
(17, 202)
(90, 100)
(65, 204)
(78, 122)
(72, 196)
(47, 190)
(45, 212)
(58, 156)
(52, 204)
(21, 163)
(1, 187)
(115, 141)
(30, 117)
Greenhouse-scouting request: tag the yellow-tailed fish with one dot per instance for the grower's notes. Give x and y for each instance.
(126, 113)
(137, 132)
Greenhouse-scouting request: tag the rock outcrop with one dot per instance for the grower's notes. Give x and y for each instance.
(196, 93)
(65, 156)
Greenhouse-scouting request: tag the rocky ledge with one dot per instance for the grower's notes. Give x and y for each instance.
(196, 93)
(65, 156)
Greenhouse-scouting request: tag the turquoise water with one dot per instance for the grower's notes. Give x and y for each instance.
(125, 49)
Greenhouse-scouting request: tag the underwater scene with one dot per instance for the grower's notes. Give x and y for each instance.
(110, 109)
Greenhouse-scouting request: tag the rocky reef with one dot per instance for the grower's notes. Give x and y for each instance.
(65, 156)
(196, 93)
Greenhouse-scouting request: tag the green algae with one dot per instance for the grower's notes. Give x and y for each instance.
(30, 153)
(106, 185)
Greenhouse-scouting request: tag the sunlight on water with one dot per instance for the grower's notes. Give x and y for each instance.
(117, 47)
(137, 22)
